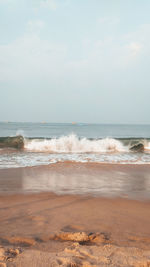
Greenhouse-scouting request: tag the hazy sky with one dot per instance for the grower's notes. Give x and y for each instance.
(75, 60)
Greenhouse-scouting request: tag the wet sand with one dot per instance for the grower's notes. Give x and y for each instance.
(107, 180)
(49, 229)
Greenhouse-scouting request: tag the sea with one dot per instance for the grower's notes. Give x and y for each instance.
(25, 144)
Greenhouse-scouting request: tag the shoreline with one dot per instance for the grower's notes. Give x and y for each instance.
(99, 180)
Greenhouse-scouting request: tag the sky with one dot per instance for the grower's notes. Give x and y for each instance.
(75, 61)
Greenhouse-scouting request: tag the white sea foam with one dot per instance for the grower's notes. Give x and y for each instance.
(24, 159)
(147, 146)
(72, 144)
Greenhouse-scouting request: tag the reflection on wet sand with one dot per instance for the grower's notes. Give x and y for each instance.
(103, 180)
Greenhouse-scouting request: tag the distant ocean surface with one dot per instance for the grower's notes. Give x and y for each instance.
(48, 143)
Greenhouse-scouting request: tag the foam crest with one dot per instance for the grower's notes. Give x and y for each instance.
(72, 144)
(147, 146)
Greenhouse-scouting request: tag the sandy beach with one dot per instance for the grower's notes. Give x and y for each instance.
(51, 229)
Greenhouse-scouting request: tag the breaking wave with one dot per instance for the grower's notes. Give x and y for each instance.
(12, 141)
(147, 146)
(72, 144)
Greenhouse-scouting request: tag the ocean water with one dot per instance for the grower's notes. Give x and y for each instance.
(49, 143)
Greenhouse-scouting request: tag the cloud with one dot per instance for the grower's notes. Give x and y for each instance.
(54, 4)
(112, 55)
(35, 25)
(30, 57)
(6, 1)
(135, 48)
(9, 3)
(108, 20)
(51, 4)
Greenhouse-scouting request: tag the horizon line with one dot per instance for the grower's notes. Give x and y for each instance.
(74, 123)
